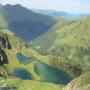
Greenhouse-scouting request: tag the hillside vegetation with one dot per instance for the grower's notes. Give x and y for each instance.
(58, 57)
(20, 46)
(68, 44)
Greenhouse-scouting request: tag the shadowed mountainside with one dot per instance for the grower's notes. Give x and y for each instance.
(25, 23)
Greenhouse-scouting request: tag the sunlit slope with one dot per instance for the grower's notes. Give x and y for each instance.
(70, 43)
(74, 42)
(76, 33)
(73, 32)
(29, 85)
(18, 46)
(44, 42)
(24, 60)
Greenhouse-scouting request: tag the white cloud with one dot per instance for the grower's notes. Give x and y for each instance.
(76, 6)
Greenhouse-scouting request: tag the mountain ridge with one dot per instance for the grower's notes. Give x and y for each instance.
(60, 13)
(25, 23)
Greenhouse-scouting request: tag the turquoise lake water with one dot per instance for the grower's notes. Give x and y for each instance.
(22, 73)
(46, 72)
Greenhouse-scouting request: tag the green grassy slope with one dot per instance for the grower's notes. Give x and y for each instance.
(44, 42)
(29, 85)
(70, 43)
(78, 57)
(70, 32)
(18, 46)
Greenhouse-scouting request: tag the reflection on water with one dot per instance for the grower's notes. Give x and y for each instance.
(46, 72)
(50, 74)
(22, 73)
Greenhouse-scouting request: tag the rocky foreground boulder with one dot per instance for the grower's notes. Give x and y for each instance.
(80, 83)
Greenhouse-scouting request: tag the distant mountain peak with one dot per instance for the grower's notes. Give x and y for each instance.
(59, 13)
(8, 5)
(20, 19)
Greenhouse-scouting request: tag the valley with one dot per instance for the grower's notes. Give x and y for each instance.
(43, 52)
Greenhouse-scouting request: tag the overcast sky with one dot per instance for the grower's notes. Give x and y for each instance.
(72, 6)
